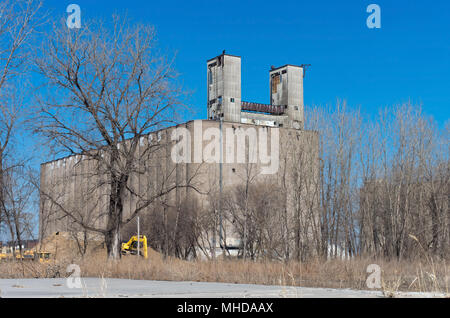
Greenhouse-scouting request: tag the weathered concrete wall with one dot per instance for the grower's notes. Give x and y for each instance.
(264, 119)
(286, 89)
(224, 88)
(224, 94)
(78, 185)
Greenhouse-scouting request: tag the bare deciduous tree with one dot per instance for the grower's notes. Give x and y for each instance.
(110, 89)
(383, 181)
(405, 189)
(18, 205)
(19, 21)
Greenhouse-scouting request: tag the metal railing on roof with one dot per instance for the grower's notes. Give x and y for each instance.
(263, 108)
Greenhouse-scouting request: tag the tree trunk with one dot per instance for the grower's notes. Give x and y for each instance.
(112, 239)
(18, 233)
(112, 235)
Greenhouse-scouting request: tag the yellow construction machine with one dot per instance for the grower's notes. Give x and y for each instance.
(4, 256)
(43, 257)
(131, 247)
(27, 255)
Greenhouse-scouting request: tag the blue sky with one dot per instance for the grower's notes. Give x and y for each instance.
(407, 59)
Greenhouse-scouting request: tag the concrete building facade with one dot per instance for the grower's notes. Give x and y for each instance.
(214, 156)
(224, 95)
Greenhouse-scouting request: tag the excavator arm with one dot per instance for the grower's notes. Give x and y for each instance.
(131, 247)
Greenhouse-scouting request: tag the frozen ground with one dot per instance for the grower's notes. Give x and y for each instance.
(96, 287)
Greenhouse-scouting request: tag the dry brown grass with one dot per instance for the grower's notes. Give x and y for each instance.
(424, 275)
(396, 276)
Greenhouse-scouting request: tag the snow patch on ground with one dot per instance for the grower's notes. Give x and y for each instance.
(111, 287)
